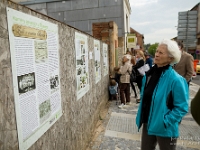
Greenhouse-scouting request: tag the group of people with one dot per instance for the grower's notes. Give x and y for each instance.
(164, 93)
(122, 75)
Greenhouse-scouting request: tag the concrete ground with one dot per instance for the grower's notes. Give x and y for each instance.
(118, 131)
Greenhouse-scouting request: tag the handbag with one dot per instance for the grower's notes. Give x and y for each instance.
(143, 69)
(132, 76)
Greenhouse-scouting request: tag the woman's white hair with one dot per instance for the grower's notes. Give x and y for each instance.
(173, 49)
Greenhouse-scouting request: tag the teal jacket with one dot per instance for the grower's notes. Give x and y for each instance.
(162, 121)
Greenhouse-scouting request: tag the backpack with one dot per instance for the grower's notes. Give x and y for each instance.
(112, 90)
(132, 75)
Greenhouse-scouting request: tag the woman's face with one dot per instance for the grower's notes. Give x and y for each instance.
(138, 55)
(162, 56)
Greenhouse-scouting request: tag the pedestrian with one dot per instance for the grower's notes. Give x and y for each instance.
(164, 100)
(125, 82)
(117, 74)
(140, 62)
(132, 83)
(195, 104)
(149, 60)
(185, 66)
(132, 62)
(113, 89)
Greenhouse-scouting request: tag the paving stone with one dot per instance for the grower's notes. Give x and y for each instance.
(122, 122)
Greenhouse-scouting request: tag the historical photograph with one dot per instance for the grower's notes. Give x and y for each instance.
(45, 110)
(82, 82)
(26, 82)
(54, 81)
(41, 54)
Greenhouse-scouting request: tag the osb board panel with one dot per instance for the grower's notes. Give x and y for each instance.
(73, 130)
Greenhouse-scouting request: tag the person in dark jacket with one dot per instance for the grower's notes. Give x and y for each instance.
(160, 86)
(140, 62)
(117, 74)
(195, 107)
(149, 60)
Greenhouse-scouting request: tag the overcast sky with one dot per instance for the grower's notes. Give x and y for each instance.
(156, 19)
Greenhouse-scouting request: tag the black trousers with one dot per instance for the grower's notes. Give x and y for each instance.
(139, 82)
(124, 92)
(133, 87)
(149, 142)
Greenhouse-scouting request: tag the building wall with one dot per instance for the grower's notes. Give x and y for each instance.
(82, 14)
(74, 129)
(126, 18)
(120, 50)
(198, 34)
(108, 33)
(140, 41)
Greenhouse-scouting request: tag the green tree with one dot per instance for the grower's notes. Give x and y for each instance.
(146, 46)
(152, 49)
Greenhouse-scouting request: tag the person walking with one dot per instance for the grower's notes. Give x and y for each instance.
(164, 100)
(125, 82)
(185, 66)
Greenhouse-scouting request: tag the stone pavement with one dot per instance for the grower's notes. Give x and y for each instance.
(120, 131)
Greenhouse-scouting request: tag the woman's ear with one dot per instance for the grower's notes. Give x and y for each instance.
(171, 59)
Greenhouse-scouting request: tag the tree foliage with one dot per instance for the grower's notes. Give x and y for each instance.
(146, 46)
(152, 49)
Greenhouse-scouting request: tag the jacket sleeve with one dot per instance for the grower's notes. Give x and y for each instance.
(126, 67)
(195, 107)
(189, 68)
(180, 96)
(139, 64)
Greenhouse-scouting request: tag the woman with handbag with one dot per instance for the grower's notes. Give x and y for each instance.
(125, 82)
(140, 62)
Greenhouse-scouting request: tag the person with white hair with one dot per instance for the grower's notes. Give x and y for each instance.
(164, 100)
(125, 81)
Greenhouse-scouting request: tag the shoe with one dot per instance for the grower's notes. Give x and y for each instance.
(137, 101)
(121, 106)
(128, 103)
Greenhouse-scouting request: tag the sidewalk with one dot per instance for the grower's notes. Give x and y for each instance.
(118, 130)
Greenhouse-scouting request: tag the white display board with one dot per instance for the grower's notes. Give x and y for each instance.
(82, 76)
(105, 59)
(97, 60)
(131, 41)
(36, 79)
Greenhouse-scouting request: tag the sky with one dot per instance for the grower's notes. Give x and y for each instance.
(157, 19)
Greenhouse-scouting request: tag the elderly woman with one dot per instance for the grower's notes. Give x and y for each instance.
(125, 81)
(164, 100)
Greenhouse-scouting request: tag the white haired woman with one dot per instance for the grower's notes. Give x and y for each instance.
(125, 82)
(164, 100)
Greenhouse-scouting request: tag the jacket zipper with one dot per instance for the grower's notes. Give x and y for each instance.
(149, 121)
